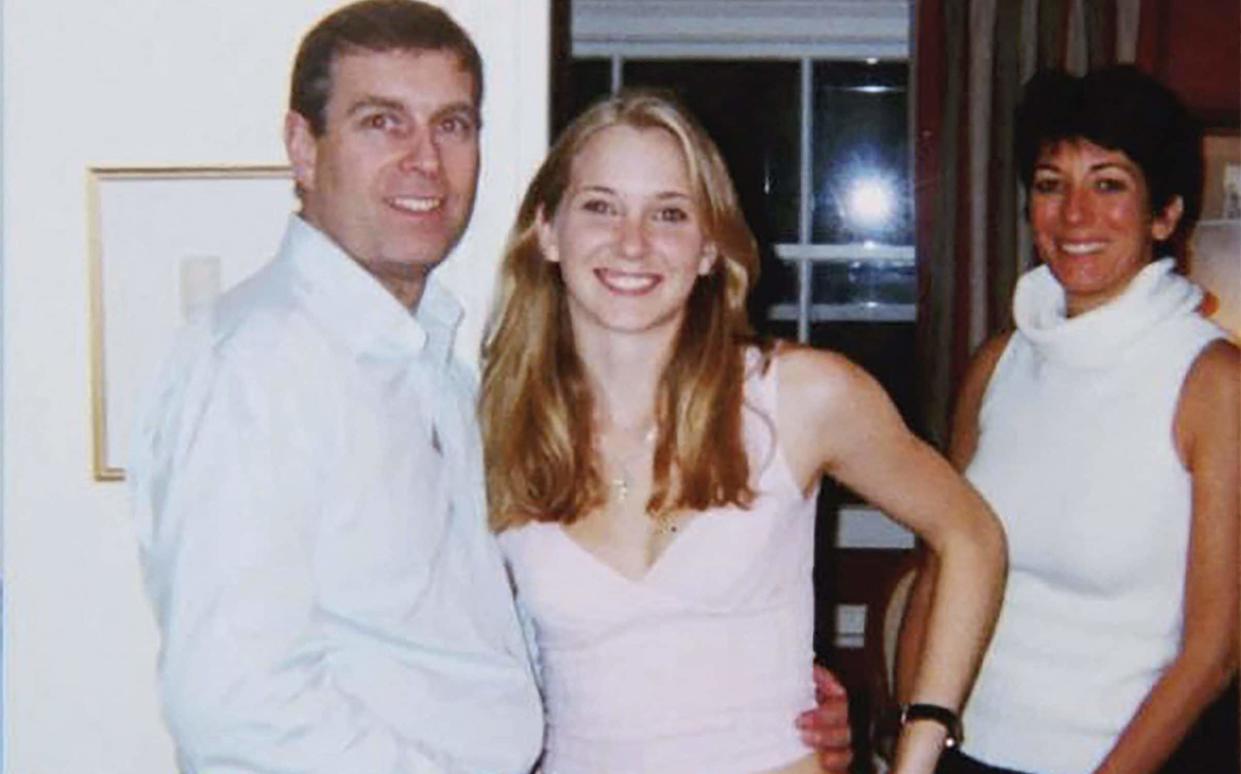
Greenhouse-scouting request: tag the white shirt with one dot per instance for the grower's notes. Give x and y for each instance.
(309, 495)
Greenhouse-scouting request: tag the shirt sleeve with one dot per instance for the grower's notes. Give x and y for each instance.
(511, 543)
(532, 642)
(225, 497)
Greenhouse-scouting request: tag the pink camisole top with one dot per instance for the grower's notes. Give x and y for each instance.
(704, 663)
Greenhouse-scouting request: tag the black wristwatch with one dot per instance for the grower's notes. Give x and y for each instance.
(942, 715)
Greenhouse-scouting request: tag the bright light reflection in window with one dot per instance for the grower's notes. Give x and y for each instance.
(871, 203)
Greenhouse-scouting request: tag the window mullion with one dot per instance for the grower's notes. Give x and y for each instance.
(805, 200)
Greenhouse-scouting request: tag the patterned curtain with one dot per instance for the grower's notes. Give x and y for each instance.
(970, 58)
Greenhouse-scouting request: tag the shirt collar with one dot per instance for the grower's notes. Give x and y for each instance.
(354, 305)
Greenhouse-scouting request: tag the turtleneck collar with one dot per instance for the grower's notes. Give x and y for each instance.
(1100, 337)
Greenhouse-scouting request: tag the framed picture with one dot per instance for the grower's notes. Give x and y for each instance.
(1221, 190)
(1215, 249)
(164, 242)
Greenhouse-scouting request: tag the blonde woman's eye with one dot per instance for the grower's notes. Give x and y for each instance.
(598, 206)
(672, 215)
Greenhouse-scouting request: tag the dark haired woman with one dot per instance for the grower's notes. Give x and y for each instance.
(1104, 433)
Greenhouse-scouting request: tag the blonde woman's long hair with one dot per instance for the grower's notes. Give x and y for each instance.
(536, 407)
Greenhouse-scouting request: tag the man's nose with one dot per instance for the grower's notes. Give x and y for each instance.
(421, 154)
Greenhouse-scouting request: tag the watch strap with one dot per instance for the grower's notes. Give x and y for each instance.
(942, 715)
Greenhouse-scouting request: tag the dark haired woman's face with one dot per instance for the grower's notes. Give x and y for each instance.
(1092, 222)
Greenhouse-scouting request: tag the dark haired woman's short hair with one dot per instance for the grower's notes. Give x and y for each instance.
(1119, 108)
(373, 25)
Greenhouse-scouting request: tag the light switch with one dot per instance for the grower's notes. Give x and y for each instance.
(850, 626)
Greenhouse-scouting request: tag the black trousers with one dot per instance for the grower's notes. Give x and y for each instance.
(1211, 747)
(953, 762)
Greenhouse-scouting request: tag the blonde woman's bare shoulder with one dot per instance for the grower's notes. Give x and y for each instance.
(811, 377)
(828, 407)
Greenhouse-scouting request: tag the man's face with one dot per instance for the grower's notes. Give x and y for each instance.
(392, 178)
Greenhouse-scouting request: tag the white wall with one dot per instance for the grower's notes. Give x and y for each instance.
(1, 372)
(148, 82)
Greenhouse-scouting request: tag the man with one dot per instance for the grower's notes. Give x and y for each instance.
(307, 473)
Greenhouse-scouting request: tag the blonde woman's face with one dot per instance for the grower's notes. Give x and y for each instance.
(628, 234)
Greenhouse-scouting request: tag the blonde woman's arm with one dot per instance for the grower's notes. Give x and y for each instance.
(962, 443)
(835, 419)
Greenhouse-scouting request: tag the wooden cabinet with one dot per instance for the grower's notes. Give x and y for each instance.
(1195, 48)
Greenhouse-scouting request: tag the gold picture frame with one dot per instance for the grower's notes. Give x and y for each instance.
(1221, 190)
(163, 242)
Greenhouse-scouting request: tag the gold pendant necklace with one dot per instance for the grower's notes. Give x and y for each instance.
(622, 479)
(665, 524)
(622, 483)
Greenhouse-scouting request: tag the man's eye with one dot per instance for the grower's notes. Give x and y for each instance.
(1111, 185)
(460, 126)
(380, 121)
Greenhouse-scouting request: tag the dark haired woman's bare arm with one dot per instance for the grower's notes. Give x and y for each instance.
(1208, 426)
(835, 419)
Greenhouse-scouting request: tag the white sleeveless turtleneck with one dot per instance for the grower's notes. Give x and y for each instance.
(1076, 455)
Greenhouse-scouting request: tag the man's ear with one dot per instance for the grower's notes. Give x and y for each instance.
(1163, 225)
(547, 237)
(302, 148)
(710, 254)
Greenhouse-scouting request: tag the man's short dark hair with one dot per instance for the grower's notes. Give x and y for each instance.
(1118, 108)
(376, 26)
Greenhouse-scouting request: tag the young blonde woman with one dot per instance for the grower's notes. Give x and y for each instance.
(653, 468)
